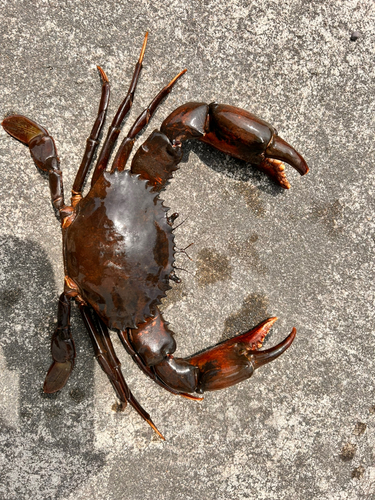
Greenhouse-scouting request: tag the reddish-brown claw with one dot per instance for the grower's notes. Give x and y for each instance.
(218, 367)
(236, 359)
(223, 365)
(236, 132)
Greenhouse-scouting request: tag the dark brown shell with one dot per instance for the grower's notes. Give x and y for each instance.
(120, 249)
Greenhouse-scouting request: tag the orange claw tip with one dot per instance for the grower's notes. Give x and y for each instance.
(268, 323)
(256, 336)
(102, 74)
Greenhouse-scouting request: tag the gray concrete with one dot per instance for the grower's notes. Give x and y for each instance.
(302, 427)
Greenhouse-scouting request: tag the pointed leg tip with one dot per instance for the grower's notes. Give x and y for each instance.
(151, 424)
(142, 54)
(119, 406)
(103, 74)
(173, 81)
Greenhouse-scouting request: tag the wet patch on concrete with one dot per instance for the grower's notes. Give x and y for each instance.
(252, 198)
(45, 395)
(177, 293)
(348, 452)
(77, 395)
(212, 266)
(358, 472)
(331, 215)
(253, 311)
(52, 412)
(359, 428)
(247, 251)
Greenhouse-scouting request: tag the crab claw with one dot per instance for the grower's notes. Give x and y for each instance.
(235, 132)
(236, 359)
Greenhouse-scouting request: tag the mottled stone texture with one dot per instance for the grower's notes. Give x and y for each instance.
(305, 255)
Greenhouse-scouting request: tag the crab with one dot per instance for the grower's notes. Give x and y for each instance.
(118, 242)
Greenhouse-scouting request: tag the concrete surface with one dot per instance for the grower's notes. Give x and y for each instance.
(302, 427)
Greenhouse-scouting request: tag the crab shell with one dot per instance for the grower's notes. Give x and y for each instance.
(119, 250)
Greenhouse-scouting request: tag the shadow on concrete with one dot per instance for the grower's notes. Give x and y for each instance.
(58, 429)
(231, 167)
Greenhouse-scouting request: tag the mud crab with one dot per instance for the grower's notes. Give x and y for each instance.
(118, 242)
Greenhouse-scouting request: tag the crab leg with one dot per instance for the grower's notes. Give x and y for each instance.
(92, 141)
(142, 120)
(106, 356)
(123, 110)
(62, 349)
(218, 367)
(43, 151)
